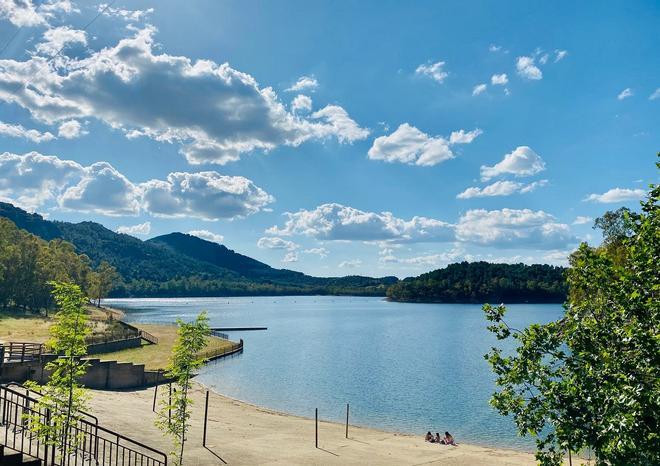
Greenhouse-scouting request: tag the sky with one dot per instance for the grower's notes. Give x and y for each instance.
(334, 138)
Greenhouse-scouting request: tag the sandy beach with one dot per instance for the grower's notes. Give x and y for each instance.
(243, 434)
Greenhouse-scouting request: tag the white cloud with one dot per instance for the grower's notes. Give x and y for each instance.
(499, 79)
(338, 222)
(21, 13)
(494, 48)
(141, 229)
(301, 102)
(513, 229)
(426, 261)
(57, 38)
(544, 59)
(655, 95)
(207, 235)
(464, 137)
(434, 71)
(33, 179)
(18, 131)
(291, 256)
(350, 264)
(126, 15)
(206, 195)
(102, 190)
(269, 242)
(560, 55)
(527, 69)
(214, 112)
(304, 83)
(501, 188)
(624, 94)
(617, 195)
(523, 161)
(321, 252)
(582, 220)
(479, 88)
(408, 144)
(71, 129)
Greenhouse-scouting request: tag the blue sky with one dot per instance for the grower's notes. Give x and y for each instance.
(334, 138)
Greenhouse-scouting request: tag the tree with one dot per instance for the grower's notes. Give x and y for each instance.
(101, 281)
(63, 395)
(592, 378)
(192, 338)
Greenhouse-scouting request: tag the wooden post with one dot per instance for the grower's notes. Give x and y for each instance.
(347, 410)
(570, 460)
(316, 415)
(169, 409)
(206, 415)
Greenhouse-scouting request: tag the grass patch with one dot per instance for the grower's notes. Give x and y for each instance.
(24, 328)
(157, 356)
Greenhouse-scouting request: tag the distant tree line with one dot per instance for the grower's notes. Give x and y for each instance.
(28, 264)
(478, 282)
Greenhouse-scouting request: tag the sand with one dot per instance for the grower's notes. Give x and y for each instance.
(243, 434)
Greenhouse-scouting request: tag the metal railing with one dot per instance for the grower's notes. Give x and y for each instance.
(222, 352)
(219, 334)
(94, 445)
(14, 351)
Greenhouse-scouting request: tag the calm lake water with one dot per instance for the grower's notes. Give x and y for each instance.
(402, 367)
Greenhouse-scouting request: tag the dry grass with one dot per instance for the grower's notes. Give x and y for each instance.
(27, 328)
(157, 356)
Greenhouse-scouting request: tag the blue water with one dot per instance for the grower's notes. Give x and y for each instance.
(402, 367)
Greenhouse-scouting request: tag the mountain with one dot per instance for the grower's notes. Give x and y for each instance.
(481, 282)
(178, 264)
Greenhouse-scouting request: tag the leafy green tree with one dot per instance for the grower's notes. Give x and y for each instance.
(63, 395)
(101, 281)
(592, 378)
(185, 360)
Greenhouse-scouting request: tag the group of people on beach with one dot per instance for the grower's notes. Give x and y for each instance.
(446, 440)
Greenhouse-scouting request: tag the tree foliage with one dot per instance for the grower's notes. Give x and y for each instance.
(185, 360)
(592, 378)
(102, 281)
(63, 396)
(476, 282)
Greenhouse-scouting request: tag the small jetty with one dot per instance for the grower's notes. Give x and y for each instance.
(237, 329)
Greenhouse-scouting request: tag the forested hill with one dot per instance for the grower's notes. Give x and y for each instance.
(483, 282)
(184, 265)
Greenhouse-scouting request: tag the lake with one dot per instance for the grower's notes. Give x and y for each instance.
(402, 367)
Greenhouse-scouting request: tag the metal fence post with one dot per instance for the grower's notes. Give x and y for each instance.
(206, 415)
(153, 407)
(347, 410)
(316, 415)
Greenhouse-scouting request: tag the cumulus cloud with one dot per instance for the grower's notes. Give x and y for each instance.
(479, 88)
(617, 195)
(206, 195)
(268, 242)
(527, 69)
(301, 102)
(513, 228)
(71, 129)
(141, 229)
(321, 252)
(304, 83)
(102, 190)
(427, 260)
(582, 220)
(624, 94)
(33, 179)
(655, 95)
(207, 235)
(291, 256)
(350, 264)
(55, 39)
(434, 71)
(501, 188)
(523, 161)
(214, 112)
(408, 144)
(499, 79)
(26, 13)
(18, 131)
(338, 222)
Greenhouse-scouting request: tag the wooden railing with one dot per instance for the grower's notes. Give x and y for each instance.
(95, 445)
(15, 351)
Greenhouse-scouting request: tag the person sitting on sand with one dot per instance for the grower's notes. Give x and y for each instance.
(429, 437)
(448, 440)
(437, 438)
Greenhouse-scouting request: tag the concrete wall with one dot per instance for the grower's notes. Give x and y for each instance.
(111, 346)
